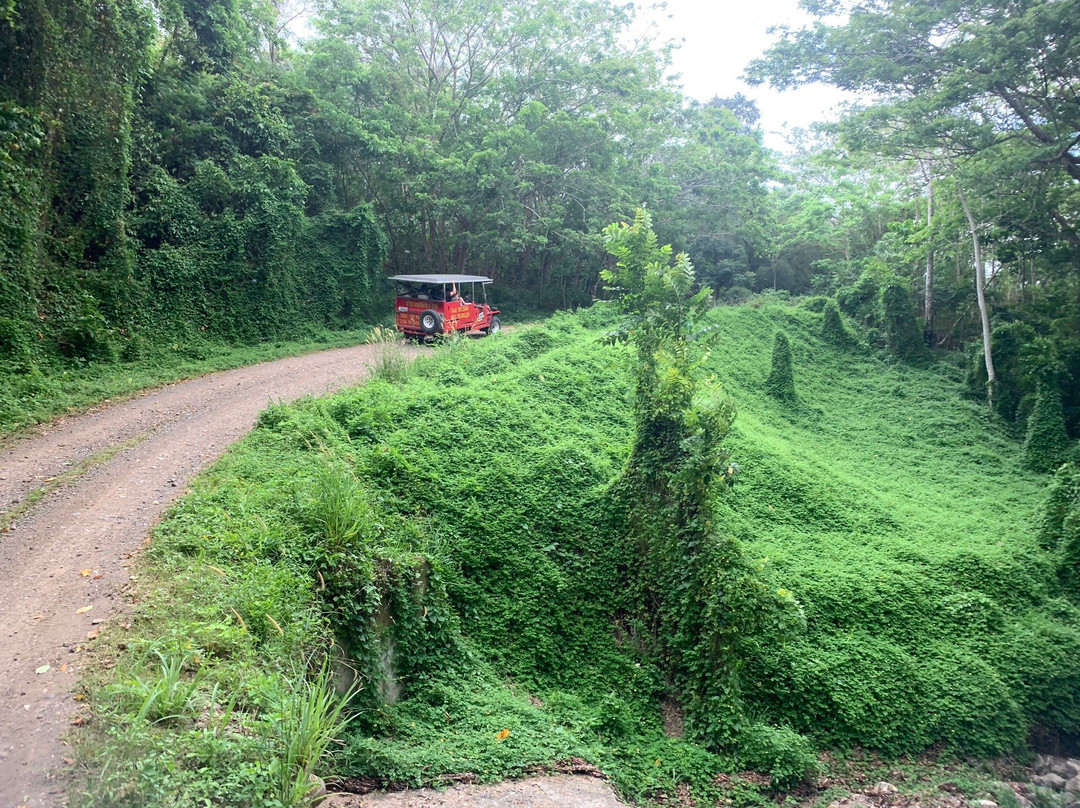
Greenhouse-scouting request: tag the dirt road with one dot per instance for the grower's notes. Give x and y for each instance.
(63, 561)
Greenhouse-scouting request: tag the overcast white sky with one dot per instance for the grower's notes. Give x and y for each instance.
(719, 38)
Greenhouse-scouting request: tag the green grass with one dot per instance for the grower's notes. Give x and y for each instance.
(457, 513)
(37, 392)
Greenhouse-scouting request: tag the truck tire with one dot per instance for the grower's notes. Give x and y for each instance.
(431, 322)
(494, 327)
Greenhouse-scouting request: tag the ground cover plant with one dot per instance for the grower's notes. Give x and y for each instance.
(445, 535)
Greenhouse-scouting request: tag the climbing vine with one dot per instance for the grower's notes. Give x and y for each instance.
(700, 603)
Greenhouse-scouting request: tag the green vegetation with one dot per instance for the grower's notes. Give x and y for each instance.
(833, 329)
(781, 382)
(521, 551)
(1059, 529)
(454, 533)
(173, 172)
(1046, 442)
(980, 191)
(698, 606)
(901, 335)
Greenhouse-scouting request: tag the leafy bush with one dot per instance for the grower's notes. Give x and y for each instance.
(1046, 441)
(902, 335)
(781, 382)
(788, 757)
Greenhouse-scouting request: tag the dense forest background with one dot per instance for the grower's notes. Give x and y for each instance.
(179, 170)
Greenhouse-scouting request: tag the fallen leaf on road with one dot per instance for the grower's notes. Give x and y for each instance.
(85, 573)
(38, 617)
(44, 669)
(90, 635)
(63, 668)
(83, 610)
(78, 722)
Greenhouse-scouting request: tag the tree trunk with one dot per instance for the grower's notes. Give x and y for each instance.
(928, 286)
(980, 294)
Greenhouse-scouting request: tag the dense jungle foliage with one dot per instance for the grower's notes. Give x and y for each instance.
(181, 173)
(545, 547)
(455, 529)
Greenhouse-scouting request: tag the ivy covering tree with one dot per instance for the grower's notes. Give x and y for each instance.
(1046, 442)
(781, 382)
(1059, 528)
(701, 603)
(68, 81)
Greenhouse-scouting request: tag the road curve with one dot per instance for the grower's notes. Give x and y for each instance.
(96, 524)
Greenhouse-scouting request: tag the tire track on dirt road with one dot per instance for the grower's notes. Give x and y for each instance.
(97, 522)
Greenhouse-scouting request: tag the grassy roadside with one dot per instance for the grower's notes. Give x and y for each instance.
(37, 393)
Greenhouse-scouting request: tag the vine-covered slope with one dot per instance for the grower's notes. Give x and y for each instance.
(448, 526)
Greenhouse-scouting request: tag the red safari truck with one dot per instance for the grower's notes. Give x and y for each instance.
(429, 305)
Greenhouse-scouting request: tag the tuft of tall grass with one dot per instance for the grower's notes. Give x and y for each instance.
(307, 716)
(338, 510)
(392, 362)
(172, 694)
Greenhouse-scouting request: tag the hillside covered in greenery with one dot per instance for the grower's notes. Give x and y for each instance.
(455, 530)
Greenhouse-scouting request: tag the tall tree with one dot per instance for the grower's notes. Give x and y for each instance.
(504, 134)
(699, 602)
